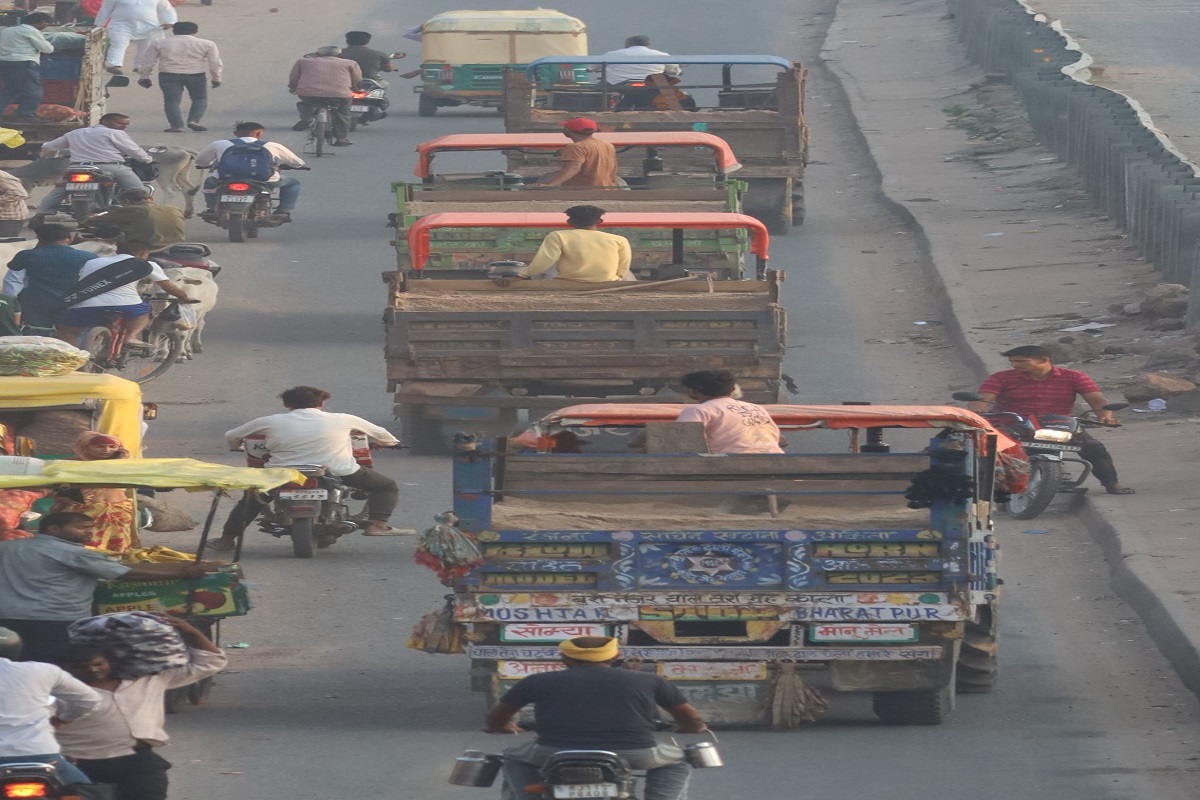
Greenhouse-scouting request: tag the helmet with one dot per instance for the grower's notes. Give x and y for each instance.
(10, 644)
(330, 50)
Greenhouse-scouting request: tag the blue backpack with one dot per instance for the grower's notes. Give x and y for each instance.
(246, 160)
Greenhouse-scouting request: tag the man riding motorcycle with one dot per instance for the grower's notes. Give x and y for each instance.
(589, 706)
(308, 434)
(218, 156)
(104, 145)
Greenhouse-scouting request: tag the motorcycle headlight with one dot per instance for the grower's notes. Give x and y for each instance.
(1048, 435)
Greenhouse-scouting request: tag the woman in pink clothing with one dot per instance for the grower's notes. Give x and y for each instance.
(730, 425)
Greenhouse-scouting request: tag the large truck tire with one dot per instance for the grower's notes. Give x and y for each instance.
(914, 708)
(798, 210)
(770, 201)
(978, 666)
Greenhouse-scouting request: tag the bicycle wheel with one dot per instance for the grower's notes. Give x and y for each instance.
(143, 365)
(320, 128)
(97, 341)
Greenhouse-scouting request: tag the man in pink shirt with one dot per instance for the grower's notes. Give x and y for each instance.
(325, 79)
(730, 426)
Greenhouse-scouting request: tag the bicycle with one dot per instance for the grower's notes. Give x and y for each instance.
(320, 135)
(106, 344)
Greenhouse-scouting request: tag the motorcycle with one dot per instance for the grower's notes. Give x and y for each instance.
(90, 189)
(243, 206)
(316, 513)
(1050, 441)
(186, 254)
(369, 103)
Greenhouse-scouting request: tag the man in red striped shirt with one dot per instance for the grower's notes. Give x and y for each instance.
(1035, 387)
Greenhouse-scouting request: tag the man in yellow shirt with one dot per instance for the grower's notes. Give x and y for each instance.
(583, 253)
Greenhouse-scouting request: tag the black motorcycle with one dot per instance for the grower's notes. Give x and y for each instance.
(368, 103)
(243, 206)
(1050, 441)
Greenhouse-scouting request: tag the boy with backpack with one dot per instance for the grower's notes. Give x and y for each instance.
(249, 158)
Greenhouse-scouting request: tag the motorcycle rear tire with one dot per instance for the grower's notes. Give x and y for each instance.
(304, 538)
(1043, 486)
(81, 209)
(237, 228)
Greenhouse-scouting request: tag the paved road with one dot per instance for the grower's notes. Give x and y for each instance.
(326, 701)
(1147, 50)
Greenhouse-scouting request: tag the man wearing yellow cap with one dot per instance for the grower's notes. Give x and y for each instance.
(592, 706)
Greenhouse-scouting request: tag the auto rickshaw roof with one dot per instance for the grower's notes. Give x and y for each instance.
(161, 473)
(420, 231)
(538, 20)
(726, 161)
(786, 416)
(120, 416)
(721, 61)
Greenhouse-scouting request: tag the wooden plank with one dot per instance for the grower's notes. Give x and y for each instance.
(669, 465)
(436, 194)
(575, 484)
(675, 437)
(559, 285)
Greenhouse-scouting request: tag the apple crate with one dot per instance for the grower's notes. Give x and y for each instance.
(219, 594)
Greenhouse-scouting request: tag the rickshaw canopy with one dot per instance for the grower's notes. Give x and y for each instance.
(724, 158)
(785, 416)
(120, 414)
(420, 231)
(501, 37)
(160, 473)
(721, 61)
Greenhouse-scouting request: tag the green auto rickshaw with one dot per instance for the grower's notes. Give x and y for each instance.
(464, 54)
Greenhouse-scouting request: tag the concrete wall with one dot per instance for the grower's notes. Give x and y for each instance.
(1129, 169)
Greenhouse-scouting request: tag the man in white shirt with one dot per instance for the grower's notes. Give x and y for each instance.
(124, 299)
(307, 434)
(105, 145)
(289, 186)
(635, 47)
(136, 21)
(21, 48)
(28, 691)
(115, 742)
(184, 61)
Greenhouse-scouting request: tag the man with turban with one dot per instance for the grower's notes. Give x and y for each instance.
(593, 706)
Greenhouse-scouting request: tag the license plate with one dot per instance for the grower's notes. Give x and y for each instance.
(237, 198)
(586, 790)
(360, 108)
(1048, 446)
(304, 494)
(84, 187)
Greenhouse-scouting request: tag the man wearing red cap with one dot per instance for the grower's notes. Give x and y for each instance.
(587, 161)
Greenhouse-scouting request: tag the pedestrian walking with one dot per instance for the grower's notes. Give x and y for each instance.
(115, 743)
(136, 22)
(21, 48)
(325, 79)
(185, 63)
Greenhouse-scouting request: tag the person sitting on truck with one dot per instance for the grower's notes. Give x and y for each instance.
(587, 161)
(593, 705)
(1034, 386)
(654, 96)
(730, 425)
(584, 253)
(635, 47)
(308, 434)
(21, 48)
(104, 145)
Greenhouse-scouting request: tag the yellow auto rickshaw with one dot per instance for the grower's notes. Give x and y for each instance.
(43, 416)
(464, 54)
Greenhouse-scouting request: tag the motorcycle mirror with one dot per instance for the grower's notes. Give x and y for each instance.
(968, 397)
(397, 55)
(156, 149)
(117, 82)
(1115, 406)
